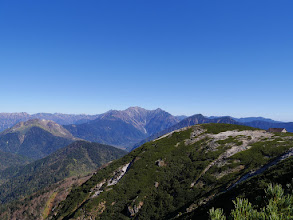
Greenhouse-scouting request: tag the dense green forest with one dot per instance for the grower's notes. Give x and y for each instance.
(79, 158)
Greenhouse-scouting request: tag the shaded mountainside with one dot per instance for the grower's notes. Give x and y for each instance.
(266, 125)
(253, 189)
(250, 119)
(35, 138)
(76, 159)
(189, 121)
(124, 128)
(114, 132)
(175, 174)
(9, 160)
(8, 120)
(41, 203)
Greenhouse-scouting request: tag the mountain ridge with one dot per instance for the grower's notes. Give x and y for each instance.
(35, 138)
(176, 173)
(189, 121)
(78, 158)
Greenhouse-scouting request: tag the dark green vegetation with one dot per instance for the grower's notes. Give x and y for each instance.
(124, 128)
(278, 205)
(78, 158)
(41, 203)
(35, 139)
(176, 175)
(252, 189)
(9, 159)
(218, 128)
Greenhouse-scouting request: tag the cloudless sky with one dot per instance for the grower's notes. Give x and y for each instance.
(190, 56)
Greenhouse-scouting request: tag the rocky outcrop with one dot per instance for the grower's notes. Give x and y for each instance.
(117, 175)
(135, 209)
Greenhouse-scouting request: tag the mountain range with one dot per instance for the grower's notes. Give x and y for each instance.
(128, 129)
(177, 167)
(8, 120)
(123, 128)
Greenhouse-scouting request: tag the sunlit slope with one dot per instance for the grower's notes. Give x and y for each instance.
(176, 173)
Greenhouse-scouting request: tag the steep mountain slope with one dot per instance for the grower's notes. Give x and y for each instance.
(77, 158)
(35, 138)
(176, 173)
(189, 121)
(9, 159)
(40, 204)
(124, 128)
(253, 189)
(8, 120)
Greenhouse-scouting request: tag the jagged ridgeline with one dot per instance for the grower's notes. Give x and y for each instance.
(176, 173)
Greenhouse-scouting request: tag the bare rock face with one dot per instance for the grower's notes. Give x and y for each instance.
(160, 163)
(135, 209)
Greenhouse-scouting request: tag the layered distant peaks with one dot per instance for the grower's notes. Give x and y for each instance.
(124, 128)
(143, 119)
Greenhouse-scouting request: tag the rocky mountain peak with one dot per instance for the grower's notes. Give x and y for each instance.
(48, 125)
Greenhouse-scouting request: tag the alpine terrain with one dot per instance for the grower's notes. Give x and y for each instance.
(49, 179)
(181, 173)
(123, 128)
(35, 138)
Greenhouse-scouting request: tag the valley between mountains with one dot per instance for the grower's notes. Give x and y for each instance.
(136, 164)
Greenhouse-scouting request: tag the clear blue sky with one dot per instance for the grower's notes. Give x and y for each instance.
(215, 57)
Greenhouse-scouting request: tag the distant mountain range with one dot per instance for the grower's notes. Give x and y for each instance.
(246, 119)
(8, 120)
(129, 128)
(123, 128)
(181, 159)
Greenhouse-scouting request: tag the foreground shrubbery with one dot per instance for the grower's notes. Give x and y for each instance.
(278, 206)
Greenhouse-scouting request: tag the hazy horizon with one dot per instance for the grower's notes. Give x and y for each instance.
(234, 116)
